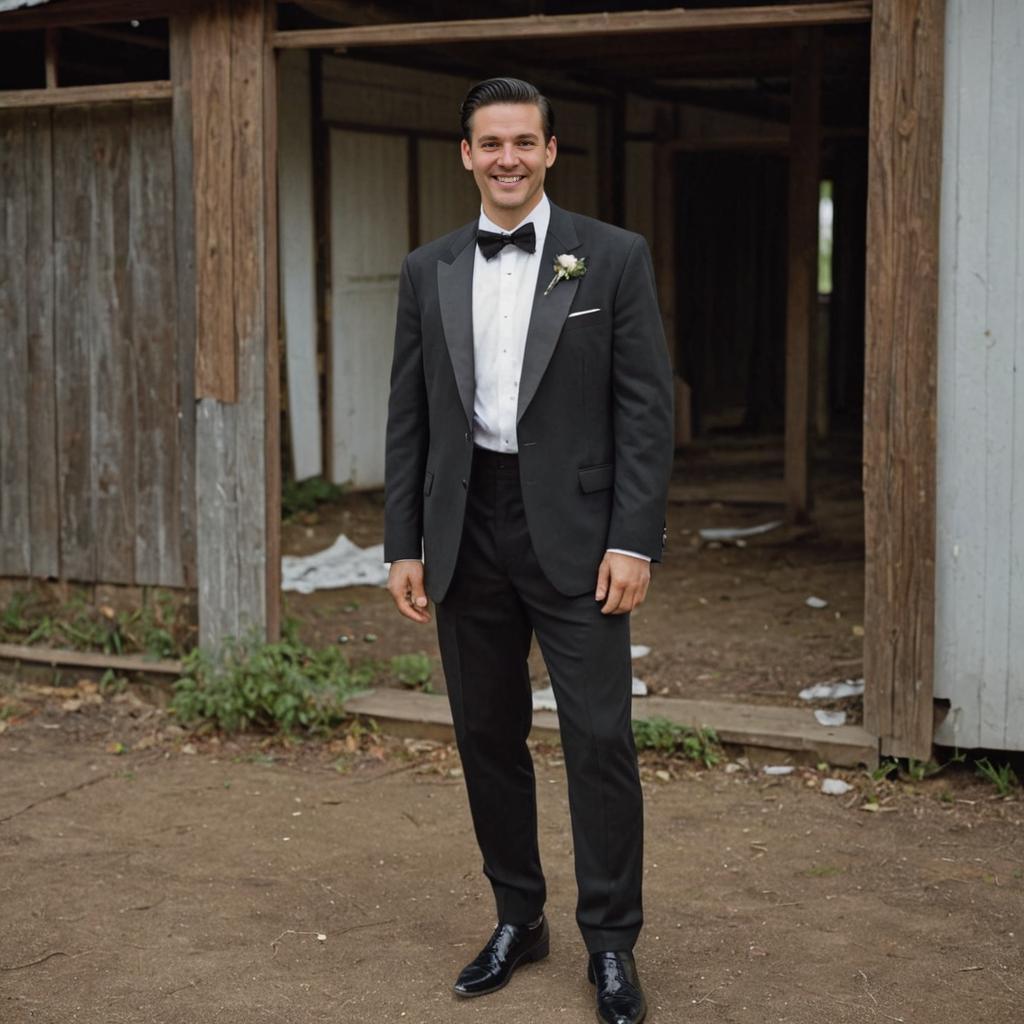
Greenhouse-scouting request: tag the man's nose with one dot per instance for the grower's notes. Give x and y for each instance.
(508, 155)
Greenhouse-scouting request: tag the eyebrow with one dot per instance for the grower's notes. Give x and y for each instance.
(522, 135)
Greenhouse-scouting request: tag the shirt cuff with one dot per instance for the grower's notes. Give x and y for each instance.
(632, 554)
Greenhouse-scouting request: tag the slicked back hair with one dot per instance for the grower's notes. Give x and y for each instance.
(506, 90)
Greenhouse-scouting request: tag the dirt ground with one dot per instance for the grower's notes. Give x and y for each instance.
(722, 622)
(154, 877)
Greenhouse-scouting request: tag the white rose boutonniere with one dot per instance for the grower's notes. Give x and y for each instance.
(567, 267)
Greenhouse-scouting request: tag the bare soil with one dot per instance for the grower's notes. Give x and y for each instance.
(722, 621)
(155, 877)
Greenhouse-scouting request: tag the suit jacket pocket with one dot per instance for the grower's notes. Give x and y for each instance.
(428, 483)
(597, 478)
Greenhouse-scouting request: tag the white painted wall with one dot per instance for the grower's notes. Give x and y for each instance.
(297, 262)
(980, 515)
(369, 223)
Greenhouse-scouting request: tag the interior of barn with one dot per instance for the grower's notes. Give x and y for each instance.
(700, 140)
(739, 150)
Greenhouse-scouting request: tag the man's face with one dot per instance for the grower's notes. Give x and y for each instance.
(508, 158)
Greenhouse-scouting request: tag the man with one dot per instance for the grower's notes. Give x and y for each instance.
(529, 447)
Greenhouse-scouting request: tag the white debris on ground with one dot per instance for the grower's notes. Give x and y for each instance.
(732, 533)
(835, 787)
(830, 718)
(544, 700)
(833, 691)
(777, 769)
(343, 564)
(816, 602)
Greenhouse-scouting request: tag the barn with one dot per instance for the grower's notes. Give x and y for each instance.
(203, 207)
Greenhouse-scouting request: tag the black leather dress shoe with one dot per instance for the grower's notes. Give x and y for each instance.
(620, 999)
(509, 946)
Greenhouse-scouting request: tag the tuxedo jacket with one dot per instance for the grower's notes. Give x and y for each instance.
(594, 422)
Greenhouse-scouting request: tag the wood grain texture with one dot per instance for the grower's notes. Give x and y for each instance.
(154, 342)
(539, 26)
(15, 551)
(232, 469)
(84, 95)
(73, 225)
(272, 326)
(802, 263)
(249, 283)
(212, 117)
(112, 347)
(44, 509)
(84, 12)
(900, 387)
(185, 291)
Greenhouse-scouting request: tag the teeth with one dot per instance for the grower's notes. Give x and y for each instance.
(510, 181)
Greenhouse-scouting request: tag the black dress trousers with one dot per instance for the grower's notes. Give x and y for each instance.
(499, 597)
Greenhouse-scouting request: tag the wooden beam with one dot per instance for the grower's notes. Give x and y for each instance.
(86, 12)
(904, 174)
(185, 280)
(802, 263)
(212, 118)
(89, 659)
(540, 26)
(79, 95)
(272, 361)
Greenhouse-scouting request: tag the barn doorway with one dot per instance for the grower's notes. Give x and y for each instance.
(686, 138)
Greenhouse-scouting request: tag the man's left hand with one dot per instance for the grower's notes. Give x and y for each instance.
(622, 582)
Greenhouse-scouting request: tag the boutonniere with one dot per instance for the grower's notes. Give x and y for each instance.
(567, 267)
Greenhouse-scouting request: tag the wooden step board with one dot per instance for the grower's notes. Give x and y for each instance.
(792, 732)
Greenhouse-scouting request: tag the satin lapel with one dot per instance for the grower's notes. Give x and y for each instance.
(455, 295)
(549, 311)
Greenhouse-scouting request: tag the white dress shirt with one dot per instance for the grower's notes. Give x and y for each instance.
(503, 290)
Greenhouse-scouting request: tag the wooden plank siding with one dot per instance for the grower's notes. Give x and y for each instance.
(979, 648)
(15, 551)
(899, 400)
(90, 406)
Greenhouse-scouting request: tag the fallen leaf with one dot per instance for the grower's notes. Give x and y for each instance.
(70, 705)
(115, 747)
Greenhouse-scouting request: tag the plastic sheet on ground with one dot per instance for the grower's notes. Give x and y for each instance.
(343, 564)
(544, 700)
(726, 533)
(833, 691)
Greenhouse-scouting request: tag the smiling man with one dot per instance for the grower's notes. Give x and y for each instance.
(529, 448)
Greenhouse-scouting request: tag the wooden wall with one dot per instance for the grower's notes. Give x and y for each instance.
(95, 411)
(979, 649)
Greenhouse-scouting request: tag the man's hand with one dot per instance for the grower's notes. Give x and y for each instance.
(405, 584)
(623, 580)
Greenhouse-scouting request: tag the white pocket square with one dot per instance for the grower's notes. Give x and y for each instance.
(584, 312)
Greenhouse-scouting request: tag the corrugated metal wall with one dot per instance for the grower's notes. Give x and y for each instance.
(980, 516)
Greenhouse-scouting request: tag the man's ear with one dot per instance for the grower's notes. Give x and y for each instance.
(467, 156)
(550, 151)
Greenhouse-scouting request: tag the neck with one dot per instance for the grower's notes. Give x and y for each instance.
(508, 219)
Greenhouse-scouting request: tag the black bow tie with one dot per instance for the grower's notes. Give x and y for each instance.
(492, 242)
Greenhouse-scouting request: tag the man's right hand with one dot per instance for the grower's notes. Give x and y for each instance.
(405, 584)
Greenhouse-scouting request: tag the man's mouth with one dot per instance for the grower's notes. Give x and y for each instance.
(508, 179)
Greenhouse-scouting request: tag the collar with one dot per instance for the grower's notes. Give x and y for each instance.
(540, 215)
